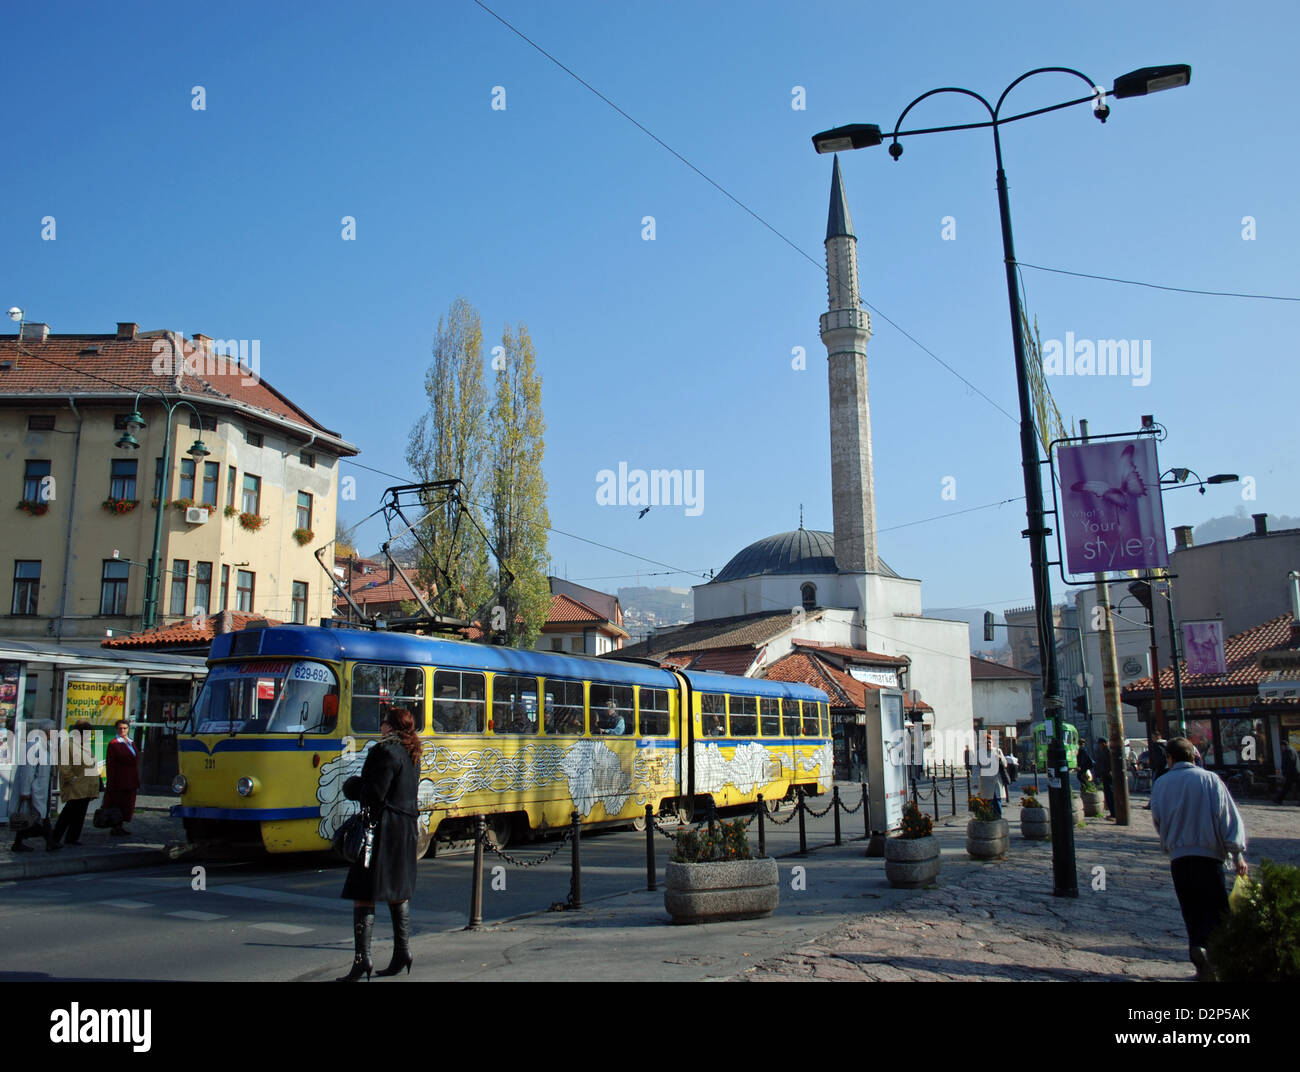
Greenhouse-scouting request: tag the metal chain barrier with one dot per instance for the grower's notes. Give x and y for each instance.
(771, 817)
(853, 811)
(819, 814)
(514, 861)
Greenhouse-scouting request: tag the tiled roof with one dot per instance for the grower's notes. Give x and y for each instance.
(1241, 653)
(187, 633)
(987, 670)
(735, 661)
(565, 610)
(753, 630)
(844, 690)
(112, 368)
(857, 655)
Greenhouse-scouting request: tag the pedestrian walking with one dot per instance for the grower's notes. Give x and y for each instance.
(1158, 758)
(78, 786)
(1199, 827)
(31, 786)
(1084, 764)
(993, 774)
(387, 787)
(122, 769)
(1107, 776)
(1290, 767)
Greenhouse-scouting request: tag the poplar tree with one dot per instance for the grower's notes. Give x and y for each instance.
(450, 441)
(519, 516)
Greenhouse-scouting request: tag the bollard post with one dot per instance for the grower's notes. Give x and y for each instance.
(968, 783)
(952, 787)
(835, 796)
(934, 788)
(575, 880)
(803, 837)
(866, 814)
(476, 891)
(762, 829)
(650, 848)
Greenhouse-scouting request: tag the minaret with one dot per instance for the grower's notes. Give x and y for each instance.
(845, 329)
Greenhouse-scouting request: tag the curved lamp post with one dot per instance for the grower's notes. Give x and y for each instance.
(128, 441)
(862, 135)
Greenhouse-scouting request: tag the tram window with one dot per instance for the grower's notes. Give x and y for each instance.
(769, 716)
(611, 710)
(374, 685)
(713, 714)
(744, 716)
(654, 712)
(809, 727)
(514, 704)
(564, 707)
(459, 702)
(825, 710)
(267, 697)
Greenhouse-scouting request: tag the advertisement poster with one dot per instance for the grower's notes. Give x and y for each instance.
(1203, 647)
(101, 703)
(1111, 512)
(11, 697)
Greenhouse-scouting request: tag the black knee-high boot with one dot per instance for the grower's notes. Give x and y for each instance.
(363, 925)
(402, 958)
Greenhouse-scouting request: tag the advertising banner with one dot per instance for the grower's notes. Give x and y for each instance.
(1203, 647)
(1111, 512)
(101, 703)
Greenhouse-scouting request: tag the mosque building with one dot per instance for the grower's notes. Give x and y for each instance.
(821, 606)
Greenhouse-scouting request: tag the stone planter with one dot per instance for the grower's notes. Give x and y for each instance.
(1094, 804)
(988, 840)
(1034, 824)
(911, 863)
(708, 893)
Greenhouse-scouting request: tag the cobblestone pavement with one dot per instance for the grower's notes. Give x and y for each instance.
(998, 920)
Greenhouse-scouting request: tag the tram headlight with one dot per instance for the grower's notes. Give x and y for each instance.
(179, 784)
(245, 787)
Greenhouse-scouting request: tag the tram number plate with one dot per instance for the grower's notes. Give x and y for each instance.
(209, 764)
(311, 672)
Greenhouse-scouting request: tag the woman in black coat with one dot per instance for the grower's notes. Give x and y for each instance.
(387, 787)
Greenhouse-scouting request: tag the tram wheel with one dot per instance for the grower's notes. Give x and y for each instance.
(499, 830)
(638, 824)
(422, 845)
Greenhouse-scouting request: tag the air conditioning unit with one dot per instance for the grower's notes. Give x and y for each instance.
(196, 515)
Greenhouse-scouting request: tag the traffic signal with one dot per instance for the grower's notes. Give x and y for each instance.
(988, 625)
(1081, 704)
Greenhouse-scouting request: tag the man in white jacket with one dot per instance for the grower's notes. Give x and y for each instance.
(1199, 827)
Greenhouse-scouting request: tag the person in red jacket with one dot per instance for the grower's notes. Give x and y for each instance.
(122, 766)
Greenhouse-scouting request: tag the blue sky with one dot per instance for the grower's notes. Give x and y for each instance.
(677, 352)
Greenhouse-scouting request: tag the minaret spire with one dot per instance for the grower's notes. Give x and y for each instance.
(845, 329)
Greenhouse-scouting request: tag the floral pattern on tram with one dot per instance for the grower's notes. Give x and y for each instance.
(820, 758)
(593, 773)
(750, 766)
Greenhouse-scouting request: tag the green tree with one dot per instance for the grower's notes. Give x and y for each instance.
(450, 441)
(518, 488)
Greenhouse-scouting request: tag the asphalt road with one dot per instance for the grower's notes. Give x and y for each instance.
(281, 918)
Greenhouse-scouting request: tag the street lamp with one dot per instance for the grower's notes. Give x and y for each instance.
(1136, 83)
(134, 423)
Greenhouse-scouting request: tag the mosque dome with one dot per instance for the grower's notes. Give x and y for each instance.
(802, 551)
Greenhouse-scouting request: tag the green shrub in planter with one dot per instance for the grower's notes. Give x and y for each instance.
(1260, 942)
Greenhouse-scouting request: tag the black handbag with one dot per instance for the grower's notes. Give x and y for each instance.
(355, 839)
(106, 817)
(24, 816)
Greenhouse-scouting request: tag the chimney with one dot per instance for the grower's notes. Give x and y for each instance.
(202, 342)
(1294, 578)
(1261, 524)
(1182, 537)
(35, 332)
(126, 331)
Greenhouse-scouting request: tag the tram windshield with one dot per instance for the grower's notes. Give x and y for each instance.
(264, 696)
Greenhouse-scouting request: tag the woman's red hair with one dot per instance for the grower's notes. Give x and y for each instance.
(402, 723)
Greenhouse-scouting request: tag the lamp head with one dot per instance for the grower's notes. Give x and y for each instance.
(853, 136)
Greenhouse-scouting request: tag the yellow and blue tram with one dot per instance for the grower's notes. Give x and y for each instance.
(525, 738)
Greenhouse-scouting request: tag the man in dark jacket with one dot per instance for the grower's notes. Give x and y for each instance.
(1290, 767)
